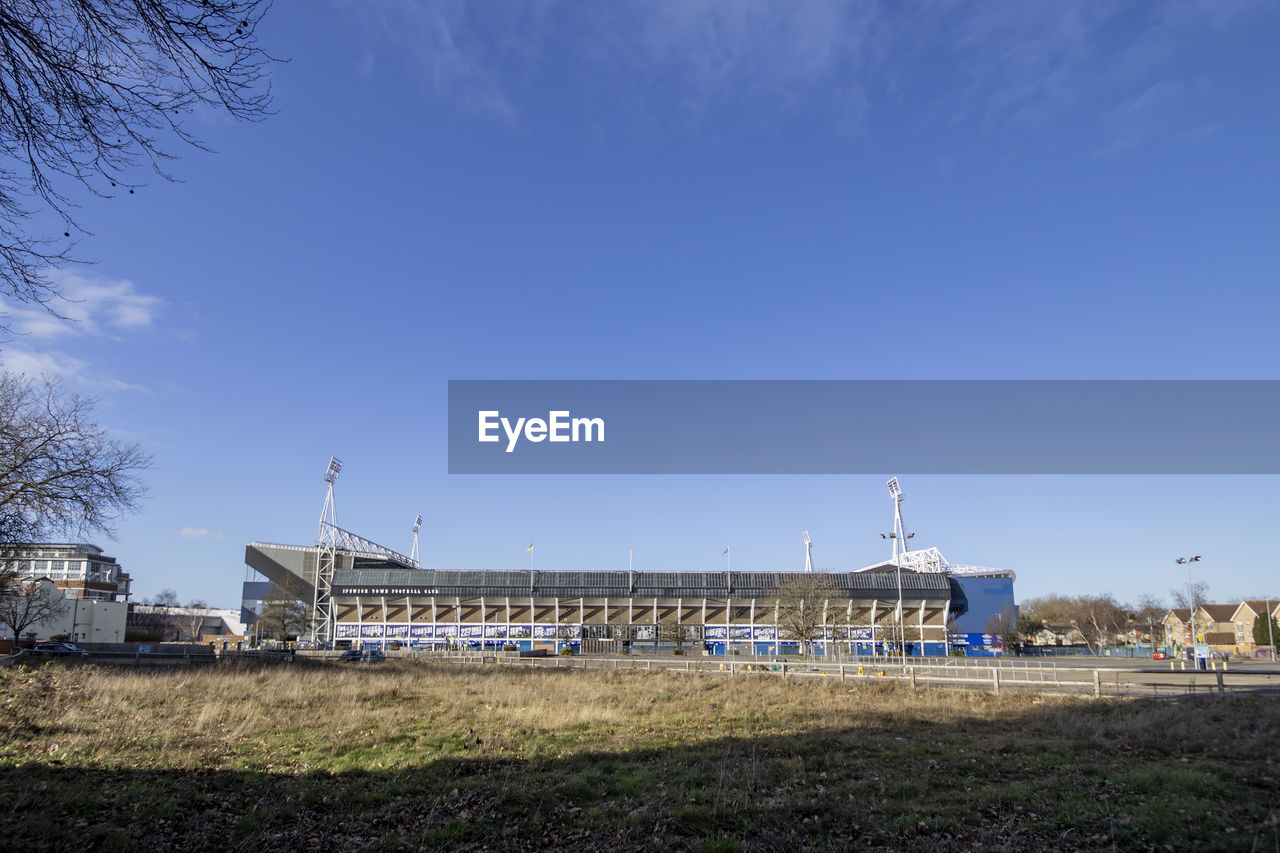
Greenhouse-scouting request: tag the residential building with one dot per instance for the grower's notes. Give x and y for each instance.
(1246, 614)
(1177, 627)
(83, 620)
(1216, 624)
(79, 569)
(1058, 635)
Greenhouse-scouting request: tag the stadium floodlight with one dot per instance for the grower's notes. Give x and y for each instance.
(413, 552)
(894, 489)
(335, 468)
(808, 552)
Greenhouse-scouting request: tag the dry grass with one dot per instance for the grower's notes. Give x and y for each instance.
(437, 756)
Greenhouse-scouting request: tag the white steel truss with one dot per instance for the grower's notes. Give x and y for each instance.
(344, 540)
(931, 561)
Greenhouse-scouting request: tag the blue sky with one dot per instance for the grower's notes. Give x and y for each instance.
(688, 190)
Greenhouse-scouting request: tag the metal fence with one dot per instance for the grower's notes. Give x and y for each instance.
(993, 675)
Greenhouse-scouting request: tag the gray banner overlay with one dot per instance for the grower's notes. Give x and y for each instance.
(865, 427)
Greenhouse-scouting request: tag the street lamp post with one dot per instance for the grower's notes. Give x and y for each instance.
(1191, 603)
(1271, 637)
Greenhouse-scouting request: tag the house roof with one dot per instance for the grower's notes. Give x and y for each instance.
(1220, 612)
(1220, 638)
(1181, 614)
(1256, 607)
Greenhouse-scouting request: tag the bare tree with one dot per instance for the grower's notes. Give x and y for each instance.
(1099, 619)
(801, 601)
(166, 598)
(24, 605)
(90, 90)
(1199, 596)
(1049, 609)
(59, 472)
(670, 632)
(1148, 615)
(282, 616)
(564, 637)
(1005, 623)
(193, 620)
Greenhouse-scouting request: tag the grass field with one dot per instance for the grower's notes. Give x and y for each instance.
(408, 755)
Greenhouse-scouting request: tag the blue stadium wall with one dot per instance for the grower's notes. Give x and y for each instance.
(984, 597)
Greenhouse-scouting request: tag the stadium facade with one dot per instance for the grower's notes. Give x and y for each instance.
(368, 595)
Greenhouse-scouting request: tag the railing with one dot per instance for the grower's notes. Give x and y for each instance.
(941, 672)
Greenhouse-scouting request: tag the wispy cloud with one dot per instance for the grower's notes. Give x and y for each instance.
(987, 66)
(55, 364)
(450, 46)
(1133, 121)
(90, 305)
(200, 533)
(93, 308)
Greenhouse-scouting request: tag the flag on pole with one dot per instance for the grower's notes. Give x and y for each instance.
(725, 551)
(530, 548)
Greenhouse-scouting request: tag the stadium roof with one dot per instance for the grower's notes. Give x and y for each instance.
(502, 583)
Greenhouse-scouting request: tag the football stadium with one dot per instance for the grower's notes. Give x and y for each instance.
(364, 594)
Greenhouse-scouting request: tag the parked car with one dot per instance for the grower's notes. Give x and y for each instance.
(350, 655)
(372, 656)
(59, 650)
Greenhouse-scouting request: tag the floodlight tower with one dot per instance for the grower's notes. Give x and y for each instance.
(326, 558)
(895, 492)
(328, 514)
(808, 552)
(413, 555)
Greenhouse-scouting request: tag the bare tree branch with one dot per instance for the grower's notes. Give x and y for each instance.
(801, 601)
(90, 90)
(60, 474)
(25, 604)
